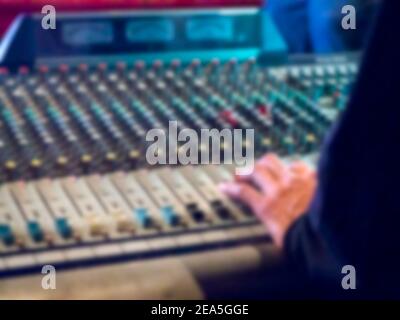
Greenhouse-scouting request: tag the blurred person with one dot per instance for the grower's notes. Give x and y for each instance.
(354, 215)
(315, 25)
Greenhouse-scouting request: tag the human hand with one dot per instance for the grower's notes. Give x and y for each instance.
(277, 193)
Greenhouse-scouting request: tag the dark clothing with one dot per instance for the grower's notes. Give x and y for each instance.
(355, 216)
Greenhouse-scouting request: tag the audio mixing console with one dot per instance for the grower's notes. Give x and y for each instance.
(76, 188)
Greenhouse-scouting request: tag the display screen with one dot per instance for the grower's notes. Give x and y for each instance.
(9, 9)
(139, 33)
(154, 30)
(87, 33)
(210, 29)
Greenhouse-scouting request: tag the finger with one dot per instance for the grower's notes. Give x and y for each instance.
(267, 157)
(301, 168)
(313, 175)
(242, 192)
(301, 172)
(303, 202)
(264, 180)
(260, 162)
(274, 165)
(243, 178)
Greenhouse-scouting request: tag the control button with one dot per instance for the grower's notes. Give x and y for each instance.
(289, 145)
(222, 211)
(4, 71)
(86, 159)
(266, 142)
(36, 163)
(10, 165)
(6, 234)
(98, 226)
(102, 66)
(83, 67)
(143, 217)
(121, 65)
(310, 142)
(124, 224)
(63, 68)
(197, 214)
(35, 231)
(23, 70)
(62, 161)
(134, 154)
(111, 157)
(170, 216)
(63, 228)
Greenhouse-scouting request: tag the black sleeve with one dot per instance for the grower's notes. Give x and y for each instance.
(355, 216)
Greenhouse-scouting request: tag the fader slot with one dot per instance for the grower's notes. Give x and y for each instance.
(194, 204)
(143, 209)
(38, 219)
(252, 231)
(225, 173)
(12, 225)
(113, 203)
(222, 206)
(69, 223)
(100, 225)
(170, 209)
